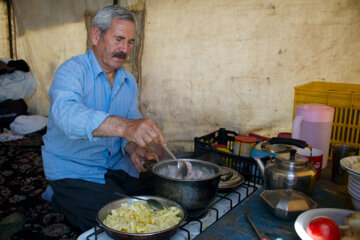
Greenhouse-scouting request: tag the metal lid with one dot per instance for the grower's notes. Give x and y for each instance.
(275, 148)
(287, 200)
(235, 180)
(292, 158)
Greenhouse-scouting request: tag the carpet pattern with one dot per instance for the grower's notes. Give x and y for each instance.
(24, 214)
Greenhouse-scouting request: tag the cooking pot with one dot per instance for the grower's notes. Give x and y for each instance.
(192, 194)
(115, 234)
(288, 169)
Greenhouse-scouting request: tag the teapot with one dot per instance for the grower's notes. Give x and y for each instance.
(288, 170)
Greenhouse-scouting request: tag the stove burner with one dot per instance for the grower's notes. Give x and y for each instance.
(196, 213)
(197, 219)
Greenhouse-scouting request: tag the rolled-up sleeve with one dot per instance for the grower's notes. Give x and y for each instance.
(73, 117)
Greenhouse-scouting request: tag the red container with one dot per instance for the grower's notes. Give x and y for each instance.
(284, 135)
(221, 147)
(316, 160)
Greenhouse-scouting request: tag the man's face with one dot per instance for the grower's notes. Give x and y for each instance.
(115, 46)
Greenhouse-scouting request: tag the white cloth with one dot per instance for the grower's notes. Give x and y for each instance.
(17, 84)
(8, 135)
(28, 124)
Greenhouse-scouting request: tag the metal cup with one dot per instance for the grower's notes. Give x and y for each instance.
(340, 151)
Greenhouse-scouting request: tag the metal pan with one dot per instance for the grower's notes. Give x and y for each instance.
(235, 180)
(165, 234)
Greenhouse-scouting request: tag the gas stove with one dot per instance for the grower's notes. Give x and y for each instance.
(221, 205)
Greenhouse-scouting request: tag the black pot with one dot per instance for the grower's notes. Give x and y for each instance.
(191, 194)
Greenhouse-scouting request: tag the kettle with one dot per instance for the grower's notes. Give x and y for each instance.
(288, 170)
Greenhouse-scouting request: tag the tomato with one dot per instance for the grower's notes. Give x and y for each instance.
(323, 228)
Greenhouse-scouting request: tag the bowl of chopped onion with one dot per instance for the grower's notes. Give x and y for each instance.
(130, 218)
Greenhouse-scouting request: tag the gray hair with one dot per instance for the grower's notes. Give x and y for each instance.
(104, 17)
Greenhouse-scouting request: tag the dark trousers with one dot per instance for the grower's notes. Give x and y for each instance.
(81, 200)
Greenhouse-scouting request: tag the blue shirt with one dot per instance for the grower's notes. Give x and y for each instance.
(81, 97)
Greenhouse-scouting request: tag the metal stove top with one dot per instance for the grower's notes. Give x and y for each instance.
(221, 205)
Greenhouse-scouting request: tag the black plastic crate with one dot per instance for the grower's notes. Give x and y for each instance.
(246, 166)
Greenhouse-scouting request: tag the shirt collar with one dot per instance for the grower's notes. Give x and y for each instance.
(120, 75)
(95, 63)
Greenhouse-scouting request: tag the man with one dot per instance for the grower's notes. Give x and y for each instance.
(97, 141)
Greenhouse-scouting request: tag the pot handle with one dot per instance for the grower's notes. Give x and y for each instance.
(290, 141)
(149, 164)
(226, 176)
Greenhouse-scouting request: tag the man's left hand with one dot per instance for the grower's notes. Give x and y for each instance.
(139, 155)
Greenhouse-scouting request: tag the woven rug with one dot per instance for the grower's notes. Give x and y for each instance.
(24, 214)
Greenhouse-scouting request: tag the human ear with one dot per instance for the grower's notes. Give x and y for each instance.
(95, 35)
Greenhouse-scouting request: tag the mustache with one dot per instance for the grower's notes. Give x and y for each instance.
(120, 54)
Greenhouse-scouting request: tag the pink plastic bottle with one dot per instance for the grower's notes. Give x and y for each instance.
(313, 124)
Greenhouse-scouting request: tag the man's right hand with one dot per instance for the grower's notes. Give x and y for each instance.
(144, 132)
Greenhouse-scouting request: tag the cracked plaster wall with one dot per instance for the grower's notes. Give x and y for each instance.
(207, 64)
